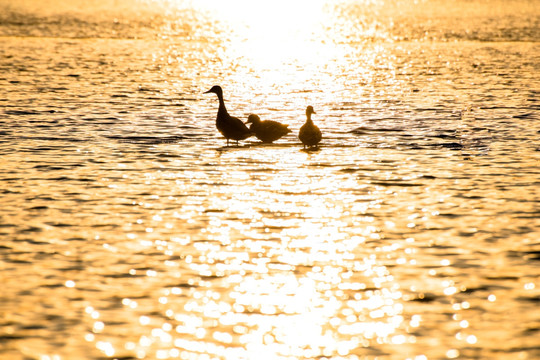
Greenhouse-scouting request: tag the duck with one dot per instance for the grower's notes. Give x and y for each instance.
(230, 127)
(267, 131)
(309, 133)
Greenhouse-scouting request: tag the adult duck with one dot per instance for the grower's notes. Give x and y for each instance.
(229, 126)
(267, 131)
(309, 134)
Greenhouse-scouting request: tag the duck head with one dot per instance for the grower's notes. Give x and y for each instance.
(253, 119)
(216, 89)
(309, 111)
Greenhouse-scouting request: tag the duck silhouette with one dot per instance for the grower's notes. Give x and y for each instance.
(230, 127)
(267, 131)
(309, 133)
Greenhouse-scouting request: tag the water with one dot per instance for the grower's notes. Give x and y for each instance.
(130, 231)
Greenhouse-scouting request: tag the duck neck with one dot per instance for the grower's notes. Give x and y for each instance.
(309, 118)
(222, 109)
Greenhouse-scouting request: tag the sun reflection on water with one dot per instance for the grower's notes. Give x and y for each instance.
(286, 315)
(273, 301)
(293, 284)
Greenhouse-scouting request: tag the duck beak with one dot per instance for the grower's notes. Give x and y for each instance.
(206, 92)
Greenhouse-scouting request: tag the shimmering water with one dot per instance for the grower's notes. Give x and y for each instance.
(128, 230)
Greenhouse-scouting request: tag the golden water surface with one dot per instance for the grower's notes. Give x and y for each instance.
(128, 230)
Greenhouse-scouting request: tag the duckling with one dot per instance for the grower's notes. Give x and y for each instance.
(229, 126)
(309, 134)
(267, 131)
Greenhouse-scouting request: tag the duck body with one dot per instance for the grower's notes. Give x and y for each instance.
(309, 133)
(230, 127)
(267, 131)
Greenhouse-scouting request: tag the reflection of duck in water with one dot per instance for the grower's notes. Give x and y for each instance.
(229, 126)
(309, 134)
(267, 131)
